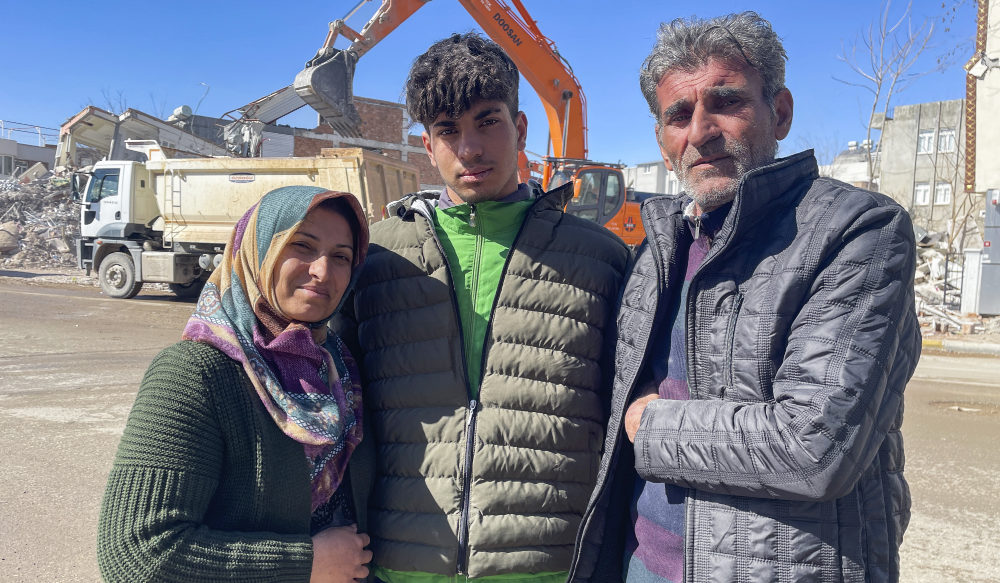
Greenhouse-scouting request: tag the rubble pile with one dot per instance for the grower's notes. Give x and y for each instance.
(938, 285)
(929, 280)
(39, 223)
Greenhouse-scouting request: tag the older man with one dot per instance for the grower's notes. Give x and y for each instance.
(765, 337)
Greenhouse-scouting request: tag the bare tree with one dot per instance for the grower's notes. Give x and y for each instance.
(159, 106)
(883, 56)
(825, 146)
(957, 51)
(115, 102)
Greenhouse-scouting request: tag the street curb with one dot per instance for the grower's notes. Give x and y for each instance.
(962, 346)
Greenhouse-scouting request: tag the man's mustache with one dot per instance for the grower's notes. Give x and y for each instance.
(717, 147)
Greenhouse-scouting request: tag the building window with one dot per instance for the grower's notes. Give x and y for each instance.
(921, 194)
(673, 185)
(942, 193)
(925, 142)
(946, 140)
(647, 169)
(6, 165)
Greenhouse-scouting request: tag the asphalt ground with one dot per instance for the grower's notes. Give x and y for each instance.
(71, 360)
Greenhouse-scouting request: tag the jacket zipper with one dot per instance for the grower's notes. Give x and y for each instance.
(470, 417)
(470, 421)
(477, 265)
(463, 534)
(463, 530)
(697, 226)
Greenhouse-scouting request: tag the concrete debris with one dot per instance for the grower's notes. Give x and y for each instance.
(10, 235)
(938, 285)
(7, 185)
(34, 173)
(39, 224)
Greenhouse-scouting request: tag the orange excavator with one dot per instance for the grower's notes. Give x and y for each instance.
(599, 192)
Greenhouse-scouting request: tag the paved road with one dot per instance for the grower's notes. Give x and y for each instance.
(70, 362)
(951, 429)
(71, 359)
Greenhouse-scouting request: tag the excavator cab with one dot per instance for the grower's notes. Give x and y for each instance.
(327, 84)
(599, 195)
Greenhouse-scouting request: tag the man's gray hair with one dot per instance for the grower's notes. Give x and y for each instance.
(686, 44)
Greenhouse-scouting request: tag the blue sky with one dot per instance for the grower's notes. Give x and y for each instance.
(218, 56)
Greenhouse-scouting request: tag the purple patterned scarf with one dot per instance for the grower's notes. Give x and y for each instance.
(310, 389)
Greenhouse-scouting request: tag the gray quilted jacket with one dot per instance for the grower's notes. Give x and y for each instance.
(496, 485)
(801, 335)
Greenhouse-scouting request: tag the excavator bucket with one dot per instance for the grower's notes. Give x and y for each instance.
(327, 84)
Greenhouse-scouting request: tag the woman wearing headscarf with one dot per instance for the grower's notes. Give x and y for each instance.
(234, 461)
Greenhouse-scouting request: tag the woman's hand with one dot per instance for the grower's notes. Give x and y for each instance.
(339, 555)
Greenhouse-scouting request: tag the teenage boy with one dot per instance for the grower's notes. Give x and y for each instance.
(483, 318)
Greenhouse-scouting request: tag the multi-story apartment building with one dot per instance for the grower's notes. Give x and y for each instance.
(853, 165)
(921, 162)
(652, 177)
(981, 281)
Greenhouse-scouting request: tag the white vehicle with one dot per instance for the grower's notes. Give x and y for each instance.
(168, 220)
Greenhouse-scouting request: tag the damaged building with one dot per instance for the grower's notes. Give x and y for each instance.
(94, 134)
(16, 158)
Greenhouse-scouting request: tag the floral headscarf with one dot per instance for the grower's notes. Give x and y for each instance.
(311, 391)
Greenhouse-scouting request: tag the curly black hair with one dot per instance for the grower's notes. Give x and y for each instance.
(457, 72)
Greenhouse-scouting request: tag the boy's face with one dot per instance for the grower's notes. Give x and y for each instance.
(476, 154)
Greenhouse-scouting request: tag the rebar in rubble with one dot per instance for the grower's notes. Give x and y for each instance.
(13, 211)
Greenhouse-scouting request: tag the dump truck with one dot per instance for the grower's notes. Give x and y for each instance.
(167, 220)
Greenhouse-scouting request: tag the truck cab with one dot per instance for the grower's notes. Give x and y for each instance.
(118, 202)
(117, 210)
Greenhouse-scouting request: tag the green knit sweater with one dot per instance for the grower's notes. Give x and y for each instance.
(205, 486)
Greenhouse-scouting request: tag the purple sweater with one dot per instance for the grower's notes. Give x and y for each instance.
(654, 552)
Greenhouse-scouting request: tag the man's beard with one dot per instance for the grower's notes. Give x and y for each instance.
(745, 158)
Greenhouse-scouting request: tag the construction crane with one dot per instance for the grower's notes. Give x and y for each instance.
(600, 195)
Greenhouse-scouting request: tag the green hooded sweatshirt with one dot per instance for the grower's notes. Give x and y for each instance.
(477, 238)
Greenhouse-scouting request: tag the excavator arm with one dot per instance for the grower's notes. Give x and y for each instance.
(326, 82)
(543, 67)
(599, 189)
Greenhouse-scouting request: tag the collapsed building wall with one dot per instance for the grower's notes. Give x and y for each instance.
(16, 157)
(38, 224)
(95, 134)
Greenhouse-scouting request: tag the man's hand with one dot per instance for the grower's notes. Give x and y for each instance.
(633, 416)
(339, 555)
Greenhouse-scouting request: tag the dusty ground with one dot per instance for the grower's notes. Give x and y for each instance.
(70, 361)
(951, 427)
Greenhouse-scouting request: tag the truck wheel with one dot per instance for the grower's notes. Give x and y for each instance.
(187, 290)
(117, 276)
